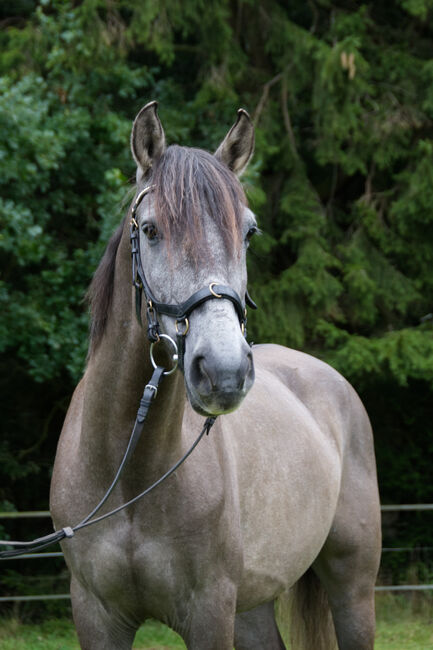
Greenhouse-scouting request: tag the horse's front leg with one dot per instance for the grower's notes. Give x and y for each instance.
(97, 627)
(211, 617)
(257, 629)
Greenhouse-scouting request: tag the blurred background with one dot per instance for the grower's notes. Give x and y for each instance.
(341, 94)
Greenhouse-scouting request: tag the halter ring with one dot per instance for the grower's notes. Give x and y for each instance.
(174, 358)
(186, 323)
(213, 284)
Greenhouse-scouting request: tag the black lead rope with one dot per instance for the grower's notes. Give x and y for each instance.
(149, 395)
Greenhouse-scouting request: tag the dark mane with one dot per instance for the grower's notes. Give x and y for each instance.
(188, 183)
(100, 292)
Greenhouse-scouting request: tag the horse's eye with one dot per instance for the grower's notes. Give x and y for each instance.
(252, 231)
(150, 231)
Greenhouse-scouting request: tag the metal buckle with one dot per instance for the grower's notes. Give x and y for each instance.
(154, 388)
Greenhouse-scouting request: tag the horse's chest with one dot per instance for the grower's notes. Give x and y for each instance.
(140, 577)
(146, 569)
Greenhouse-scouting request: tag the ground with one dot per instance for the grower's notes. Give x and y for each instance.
(404, 623)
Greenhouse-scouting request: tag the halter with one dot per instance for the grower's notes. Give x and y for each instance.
(180, 312)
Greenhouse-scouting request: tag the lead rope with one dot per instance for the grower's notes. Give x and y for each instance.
(149, 394)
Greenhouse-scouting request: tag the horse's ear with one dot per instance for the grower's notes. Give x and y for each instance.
(238, 146)
(147, 137)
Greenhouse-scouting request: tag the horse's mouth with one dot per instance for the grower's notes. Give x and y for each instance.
(216, 402)
(219, 376)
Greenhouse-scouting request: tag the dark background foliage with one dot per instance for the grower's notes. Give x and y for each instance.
(341, 94)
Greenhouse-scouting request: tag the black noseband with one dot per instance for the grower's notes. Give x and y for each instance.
(180, 312)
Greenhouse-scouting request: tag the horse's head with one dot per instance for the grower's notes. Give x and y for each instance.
(194, 228)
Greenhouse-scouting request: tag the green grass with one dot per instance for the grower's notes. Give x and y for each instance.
(59, 634)
(402, 624)
(157, 636)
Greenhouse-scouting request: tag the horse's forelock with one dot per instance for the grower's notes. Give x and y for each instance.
(190, 183)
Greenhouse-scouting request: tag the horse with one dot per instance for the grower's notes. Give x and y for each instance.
(281, 496)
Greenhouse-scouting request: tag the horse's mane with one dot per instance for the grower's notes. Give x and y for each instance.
(100, 292)
(188, 183)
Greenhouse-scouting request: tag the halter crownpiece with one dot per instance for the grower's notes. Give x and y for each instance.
(180, 312)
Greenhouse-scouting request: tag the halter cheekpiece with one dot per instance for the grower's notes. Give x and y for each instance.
(180, 312)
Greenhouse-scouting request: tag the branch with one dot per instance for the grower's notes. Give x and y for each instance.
(369, 182)
(264, 96)
(333, 190)
(286, 116)
(45, 430)
(315, 16)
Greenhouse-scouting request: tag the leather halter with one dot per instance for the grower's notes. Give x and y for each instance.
(180, 312)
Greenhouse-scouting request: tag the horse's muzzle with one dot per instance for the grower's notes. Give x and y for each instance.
(217, 384)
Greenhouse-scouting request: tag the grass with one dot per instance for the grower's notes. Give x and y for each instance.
(402, 624)
(59, 634)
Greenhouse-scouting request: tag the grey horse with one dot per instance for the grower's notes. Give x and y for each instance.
(281, 496)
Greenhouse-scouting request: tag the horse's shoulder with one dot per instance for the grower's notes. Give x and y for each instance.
(327, 395)
(278, 358)
(308, 377)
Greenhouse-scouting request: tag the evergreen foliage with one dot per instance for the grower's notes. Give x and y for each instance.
(342, 183)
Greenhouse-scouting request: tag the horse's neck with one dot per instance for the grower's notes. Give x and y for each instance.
(114, 382)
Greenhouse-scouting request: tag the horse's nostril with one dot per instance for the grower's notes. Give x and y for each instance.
(199, 376)
(245, 370)
(210, 374)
